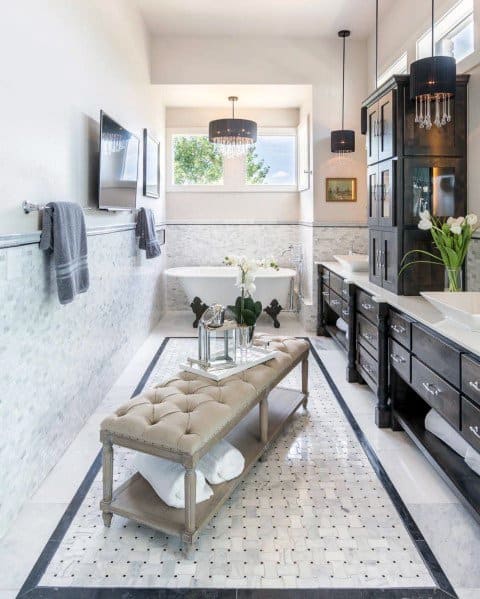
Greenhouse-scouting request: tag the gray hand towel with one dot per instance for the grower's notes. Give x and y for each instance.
(64, 234)
(145, 231)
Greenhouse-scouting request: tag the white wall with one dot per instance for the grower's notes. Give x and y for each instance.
(270, 60)
(215, 206)
(63, 62)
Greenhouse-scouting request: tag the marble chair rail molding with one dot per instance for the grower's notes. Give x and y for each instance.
(18, 239)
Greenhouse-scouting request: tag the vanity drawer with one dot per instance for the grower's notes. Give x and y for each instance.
(345, 312)
(367, 364)
(335, 302)
(436, 392)
(439, 355)
(400, 360)
(325, 294)
(325, 275)
(471, 378)
(367, 306)
(336, 283)
(367, 334)
(471, 423)
(399, 328)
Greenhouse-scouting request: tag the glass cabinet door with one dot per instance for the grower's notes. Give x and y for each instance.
(386, 192)
(373, 129)
(437, 185)
(372, 195)
(386, 127)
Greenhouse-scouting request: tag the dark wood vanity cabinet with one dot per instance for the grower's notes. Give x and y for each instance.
(411, 170)
(336, 299)
(428, 371)
(371, 351)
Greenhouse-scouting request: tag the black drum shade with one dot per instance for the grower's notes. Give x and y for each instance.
(342, 141)
(433, 75)
(232, 137)
(227, 130)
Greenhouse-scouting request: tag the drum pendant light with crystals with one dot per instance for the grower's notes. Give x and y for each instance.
(233, 137)
(342, 140)
(433, 83)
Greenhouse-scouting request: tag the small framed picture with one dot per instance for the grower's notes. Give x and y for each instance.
(151, 166)
(340, 189)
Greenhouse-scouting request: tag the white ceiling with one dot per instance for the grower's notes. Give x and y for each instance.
(294, 18)
(215, 96)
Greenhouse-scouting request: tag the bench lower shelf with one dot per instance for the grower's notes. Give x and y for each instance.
(136, 499)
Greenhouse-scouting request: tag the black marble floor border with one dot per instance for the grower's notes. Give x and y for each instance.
(30, 588)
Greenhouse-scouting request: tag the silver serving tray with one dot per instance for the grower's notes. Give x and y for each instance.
(257, 355)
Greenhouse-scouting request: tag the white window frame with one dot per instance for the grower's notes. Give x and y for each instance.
(234, 174)
(451, 20)
(398, 67)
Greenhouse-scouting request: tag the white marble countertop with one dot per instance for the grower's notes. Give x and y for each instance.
(415, 306)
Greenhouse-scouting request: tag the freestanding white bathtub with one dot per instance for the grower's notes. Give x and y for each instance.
(216, 285)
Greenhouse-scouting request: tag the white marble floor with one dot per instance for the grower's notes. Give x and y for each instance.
(451, 533)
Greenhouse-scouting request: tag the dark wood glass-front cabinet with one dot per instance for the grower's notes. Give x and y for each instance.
(411, 170)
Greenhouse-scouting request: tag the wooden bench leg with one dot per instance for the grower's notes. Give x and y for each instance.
(190, 499)
(107, 464)
(305, 380)
(263, 408)
(263, 423)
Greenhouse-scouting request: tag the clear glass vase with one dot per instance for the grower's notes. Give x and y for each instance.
(453, 279)
(245, 340)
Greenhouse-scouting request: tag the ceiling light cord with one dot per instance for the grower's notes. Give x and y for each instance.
(433, 25)
(376, 44)
(343, 87)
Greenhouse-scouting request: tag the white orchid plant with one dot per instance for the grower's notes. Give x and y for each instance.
(451, 238)
(247, 310)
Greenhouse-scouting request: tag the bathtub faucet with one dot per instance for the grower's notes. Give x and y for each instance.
(296, 250)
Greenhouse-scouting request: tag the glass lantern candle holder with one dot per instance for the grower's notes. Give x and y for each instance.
(217, 339)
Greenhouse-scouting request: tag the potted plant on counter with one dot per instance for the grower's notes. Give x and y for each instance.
(246, 310)
(451, 238)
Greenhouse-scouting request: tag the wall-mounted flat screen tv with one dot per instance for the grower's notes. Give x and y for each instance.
(118, 166)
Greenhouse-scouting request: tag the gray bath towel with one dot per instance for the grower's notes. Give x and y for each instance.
(145, 231)
(64, 234)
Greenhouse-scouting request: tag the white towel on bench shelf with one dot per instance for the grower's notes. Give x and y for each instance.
(168, 480)
(223, 462)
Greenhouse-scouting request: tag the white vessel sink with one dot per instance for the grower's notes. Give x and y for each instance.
(353, 262)
(463, 307)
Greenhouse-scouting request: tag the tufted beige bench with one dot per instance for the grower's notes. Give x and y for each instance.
(182, 418)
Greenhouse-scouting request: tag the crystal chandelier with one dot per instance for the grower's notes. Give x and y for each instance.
(432, 85)
(233, 137)
(342, 141)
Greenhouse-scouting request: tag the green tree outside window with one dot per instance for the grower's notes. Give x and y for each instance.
(257, 168)
(196, 161)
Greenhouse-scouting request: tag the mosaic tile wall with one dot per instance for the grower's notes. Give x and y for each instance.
(207, 245)
(473, 266)
(57, 362)
(194, 245)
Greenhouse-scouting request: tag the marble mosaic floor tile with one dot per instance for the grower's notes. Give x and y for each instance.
(313, 515)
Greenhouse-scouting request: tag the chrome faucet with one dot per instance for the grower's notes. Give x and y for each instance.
(297, 258)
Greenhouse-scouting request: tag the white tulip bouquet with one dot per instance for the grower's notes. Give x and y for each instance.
(451, 238)
(247, 310)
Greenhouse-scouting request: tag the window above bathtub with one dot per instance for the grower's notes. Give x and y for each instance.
(194, 164)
